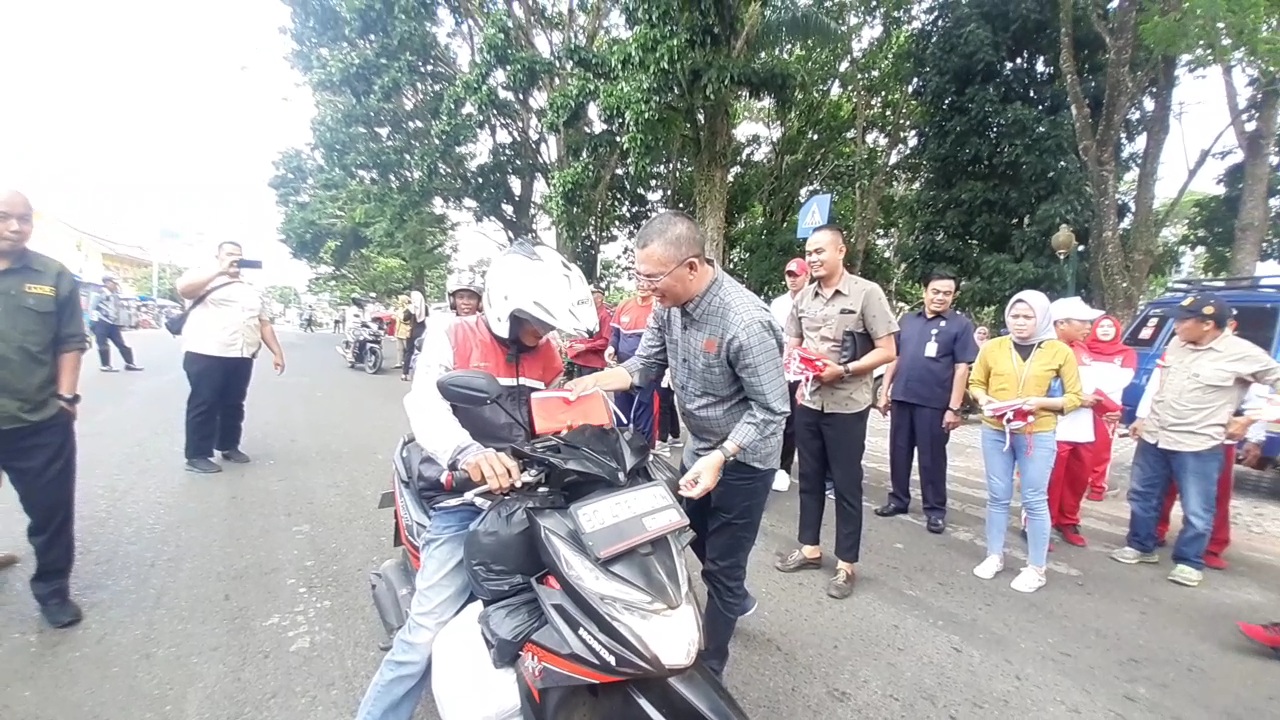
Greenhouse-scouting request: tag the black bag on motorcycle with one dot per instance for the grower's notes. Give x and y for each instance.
(508, 624)
(500, 550)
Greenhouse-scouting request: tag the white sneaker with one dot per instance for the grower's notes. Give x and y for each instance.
(661, 448)
(1029, 580)
(989, 567)
(781, 481)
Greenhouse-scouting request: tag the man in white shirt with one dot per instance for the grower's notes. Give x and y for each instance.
(797, 274)
(227, 324)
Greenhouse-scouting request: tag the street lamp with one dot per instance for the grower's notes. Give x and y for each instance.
(1063, 243)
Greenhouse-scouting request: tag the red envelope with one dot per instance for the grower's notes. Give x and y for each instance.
(553, 412)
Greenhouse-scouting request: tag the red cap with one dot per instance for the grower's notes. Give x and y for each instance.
(797, 267)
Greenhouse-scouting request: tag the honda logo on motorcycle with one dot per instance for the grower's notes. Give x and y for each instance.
(595, 645)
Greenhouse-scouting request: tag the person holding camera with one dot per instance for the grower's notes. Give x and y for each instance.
(227, 324)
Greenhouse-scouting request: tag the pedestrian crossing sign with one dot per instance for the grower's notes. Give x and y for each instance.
(813, 214)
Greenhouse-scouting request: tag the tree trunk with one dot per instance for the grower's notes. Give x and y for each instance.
(1258, 145)
(711, 173)
(1142, 246)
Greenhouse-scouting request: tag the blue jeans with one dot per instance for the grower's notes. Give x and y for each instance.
(441, 591)
(1034, 455)
(1196, 474)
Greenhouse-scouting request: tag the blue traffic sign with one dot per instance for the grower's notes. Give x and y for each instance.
(813, 215)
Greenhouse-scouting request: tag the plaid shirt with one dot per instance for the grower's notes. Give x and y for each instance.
(725, 354)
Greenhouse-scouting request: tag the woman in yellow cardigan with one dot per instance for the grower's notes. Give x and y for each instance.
(1022, 366)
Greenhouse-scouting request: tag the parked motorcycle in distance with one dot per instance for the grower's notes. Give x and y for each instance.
(618, 627)
(363, 346)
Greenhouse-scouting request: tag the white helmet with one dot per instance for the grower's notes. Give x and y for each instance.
(537, 283)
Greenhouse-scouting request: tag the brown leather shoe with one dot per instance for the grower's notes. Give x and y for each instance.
(841, 584)
(796, 562)
(7, 559)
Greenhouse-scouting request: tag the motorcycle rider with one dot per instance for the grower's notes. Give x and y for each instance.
(465, 297)
(532, 291)
(353, 318)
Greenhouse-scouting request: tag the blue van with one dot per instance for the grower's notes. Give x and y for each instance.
(1256, 302)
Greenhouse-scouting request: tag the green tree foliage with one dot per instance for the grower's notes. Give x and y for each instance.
(286, 295)
(995, 151)
(1208, 229)
(167, 274)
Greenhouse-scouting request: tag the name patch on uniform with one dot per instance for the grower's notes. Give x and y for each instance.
(41, 290)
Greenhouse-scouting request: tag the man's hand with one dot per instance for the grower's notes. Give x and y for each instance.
(69, 408)
(1135, 430)
(1089, 401)
(950, 421)
(580, 386)
(610, 355)
(226, 265)
(703, 475)
(883, 404)
(831, 372)
(497, 470)
(1237, 427)
(277, 362)
(1251, 455)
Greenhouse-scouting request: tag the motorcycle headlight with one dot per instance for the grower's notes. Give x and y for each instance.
(672, 634)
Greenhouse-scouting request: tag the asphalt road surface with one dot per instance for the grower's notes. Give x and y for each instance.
(244, 595)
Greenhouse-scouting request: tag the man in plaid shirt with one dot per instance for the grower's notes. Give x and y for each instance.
(722, 347)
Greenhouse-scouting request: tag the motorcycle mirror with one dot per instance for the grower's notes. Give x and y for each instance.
(469, 388)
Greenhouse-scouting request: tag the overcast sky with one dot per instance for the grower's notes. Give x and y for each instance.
(143, 119)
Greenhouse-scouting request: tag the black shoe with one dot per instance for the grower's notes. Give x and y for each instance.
(936, 525)
(889, 510)
(62, 613)
(133, 368)
(750, 607)
(204, 466)
(235, 456)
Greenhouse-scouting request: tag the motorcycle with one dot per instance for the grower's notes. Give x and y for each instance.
(622, 625)
(363, 346)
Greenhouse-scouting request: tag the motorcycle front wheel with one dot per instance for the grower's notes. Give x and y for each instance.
(373, 360)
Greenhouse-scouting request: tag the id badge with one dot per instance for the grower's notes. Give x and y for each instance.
(931, 349)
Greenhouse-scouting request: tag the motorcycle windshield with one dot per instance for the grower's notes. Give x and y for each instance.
(608, 454)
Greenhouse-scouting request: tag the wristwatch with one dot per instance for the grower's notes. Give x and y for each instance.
(728, 456)
(954, 410)
(72, 400)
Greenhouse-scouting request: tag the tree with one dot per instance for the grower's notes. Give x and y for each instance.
(994, 149)
(680, 74)
(1240, 37)
(1210, 226)
(286, 295)
(167, 274)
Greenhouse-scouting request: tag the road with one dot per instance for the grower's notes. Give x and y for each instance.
(244, 595)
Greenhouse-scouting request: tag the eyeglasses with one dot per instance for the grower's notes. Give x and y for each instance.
(649, 282)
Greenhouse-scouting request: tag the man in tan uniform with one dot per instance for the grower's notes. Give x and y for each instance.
(847, 320)
(1205, 374)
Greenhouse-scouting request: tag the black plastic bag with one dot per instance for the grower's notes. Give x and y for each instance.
(501, 552)
(508, 625)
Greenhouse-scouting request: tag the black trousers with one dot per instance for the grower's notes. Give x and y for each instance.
(726, 522)
(789, 432)
(215, 407)
(40, 461)
(831, 443)
(104, 331)
(917, 430)
(411, 347)
(668, 416)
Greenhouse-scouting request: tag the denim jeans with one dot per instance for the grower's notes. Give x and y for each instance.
(1033, 454)
(441, 591)
(1196, 474)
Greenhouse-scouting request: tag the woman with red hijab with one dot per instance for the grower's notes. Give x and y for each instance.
(1115, 364)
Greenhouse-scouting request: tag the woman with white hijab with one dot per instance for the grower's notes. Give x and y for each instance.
(1011, 381)
(416, 318)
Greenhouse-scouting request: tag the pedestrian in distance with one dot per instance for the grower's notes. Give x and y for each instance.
(795, 275)
(848, 321)
(227, 325)
(414, 319)
(42, 343)
(723, 350)
(923, 393)
(107, 318)
(1011, 381)
(640, 405)
(1113, 365)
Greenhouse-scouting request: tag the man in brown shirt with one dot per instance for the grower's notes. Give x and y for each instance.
(1205, 374)
(837, 309)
